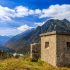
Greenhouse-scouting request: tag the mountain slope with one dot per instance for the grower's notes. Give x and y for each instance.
(4, 39)
(22, 44)
(19, 42)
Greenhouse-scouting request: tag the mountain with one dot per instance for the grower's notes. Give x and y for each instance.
(5, 49)
(24, 34)
(21, 42)
(56, 25)
(4, 39)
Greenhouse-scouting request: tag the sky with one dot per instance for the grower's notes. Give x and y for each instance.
(17, 16)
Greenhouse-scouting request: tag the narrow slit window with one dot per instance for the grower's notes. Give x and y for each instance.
(68, 45)
(46, 44)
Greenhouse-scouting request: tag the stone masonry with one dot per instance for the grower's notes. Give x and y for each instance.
(55, 48)
(35, 51)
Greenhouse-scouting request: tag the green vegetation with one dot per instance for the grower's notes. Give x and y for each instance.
(26, 64)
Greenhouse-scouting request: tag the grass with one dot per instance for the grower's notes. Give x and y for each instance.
(26, 64)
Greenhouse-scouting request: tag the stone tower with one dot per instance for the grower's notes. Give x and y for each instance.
(55, 48)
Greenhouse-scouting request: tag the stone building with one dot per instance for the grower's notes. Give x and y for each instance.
(55, 48)
(35, 51)
(55, 43)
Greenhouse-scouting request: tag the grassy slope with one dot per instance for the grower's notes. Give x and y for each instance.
(26, 64)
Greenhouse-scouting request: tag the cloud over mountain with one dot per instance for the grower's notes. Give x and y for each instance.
(24, 28)
(11, 14)
(14, 31)
(57, 12)
(6, 14)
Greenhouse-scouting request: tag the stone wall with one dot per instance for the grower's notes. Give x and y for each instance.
(53, 49)
(49, 54)
(57, 53)
(63, 54)
(35, 51)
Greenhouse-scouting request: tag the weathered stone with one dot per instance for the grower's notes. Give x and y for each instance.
(54, 48)
(57, 53)
(35, 51)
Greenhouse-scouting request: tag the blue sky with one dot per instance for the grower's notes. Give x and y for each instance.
(17, 16)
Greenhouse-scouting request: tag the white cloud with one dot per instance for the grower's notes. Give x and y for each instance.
(38, 11)
(31, 12)
(57, 12)
(9, 31)
(6, 13)
(14, 31)
(39, 23)
(54, 11)
(24, 28)
(21, 11)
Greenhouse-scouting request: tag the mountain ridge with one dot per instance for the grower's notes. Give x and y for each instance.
(23, 43)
